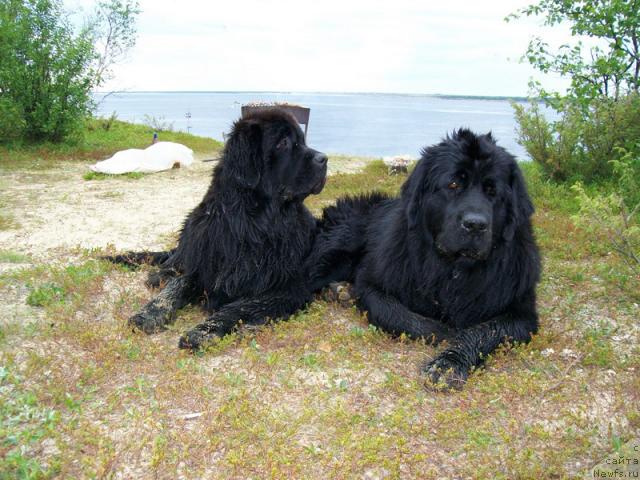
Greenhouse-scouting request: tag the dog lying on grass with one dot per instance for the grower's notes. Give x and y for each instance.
(452, 258)
(241, 250)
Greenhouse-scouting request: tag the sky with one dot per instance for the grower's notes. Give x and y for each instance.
(401, 46)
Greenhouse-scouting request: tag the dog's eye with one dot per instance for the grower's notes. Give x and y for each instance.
(282, 144)
(454, 186)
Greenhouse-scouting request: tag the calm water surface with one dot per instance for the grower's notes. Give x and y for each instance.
(356, 124)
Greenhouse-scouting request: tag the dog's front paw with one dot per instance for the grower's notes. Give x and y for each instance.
(147, 322)
(445, 373)
(200, 336)
(193, 339)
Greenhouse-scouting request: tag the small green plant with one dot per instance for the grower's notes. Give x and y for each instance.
(310, 360)
(597, 345)
(45, 295)
(91, 175)
(8, 256)
(607, 215)
(23, 423)
(63, 283)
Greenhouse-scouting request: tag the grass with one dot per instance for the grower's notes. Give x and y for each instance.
(9, 256)
(323, 395)
(99, 139)
(106, 176)
(7, 220)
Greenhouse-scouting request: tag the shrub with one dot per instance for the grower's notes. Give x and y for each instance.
(583, 144)
(48, 70)
(43, 68)
(12, 122)
(615, 215)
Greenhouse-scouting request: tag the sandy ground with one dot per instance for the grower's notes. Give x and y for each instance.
(56, 209)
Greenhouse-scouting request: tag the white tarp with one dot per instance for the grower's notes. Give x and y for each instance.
(159, 156)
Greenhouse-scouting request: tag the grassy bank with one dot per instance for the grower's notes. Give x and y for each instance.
(99, 139)
(320, 396)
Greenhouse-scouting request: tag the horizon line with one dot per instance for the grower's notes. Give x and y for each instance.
(304, 92)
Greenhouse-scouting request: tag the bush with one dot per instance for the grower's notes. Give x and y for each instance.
(615, 215)
(48, 70)
(44, 68)
(585, 142)
(12, 122)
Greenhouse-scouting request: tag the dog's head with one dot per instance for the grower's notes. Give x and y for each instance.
(465, 195)
(266, 151)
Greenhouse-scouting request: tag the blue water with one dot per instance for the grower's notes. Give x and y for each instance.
(373, 125)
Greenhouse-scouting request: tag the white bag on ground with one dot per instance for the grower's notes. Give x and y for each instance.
(159, 156)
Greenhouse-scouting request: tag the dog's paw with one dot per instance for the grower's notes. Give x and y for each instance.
(445, 374)
(193, 339)
(147, 323)
(341, 292)
(200, 336)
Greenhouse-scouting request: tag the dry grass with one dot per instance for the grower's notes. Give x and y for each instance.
(320, 396)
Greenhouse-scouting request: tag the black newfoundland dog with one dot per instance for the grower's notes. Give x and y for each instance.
(241, 250)
(453, 258)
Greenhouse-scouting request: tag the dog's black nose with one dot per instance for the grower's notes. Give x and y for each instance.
(475, 223)
(320, 158)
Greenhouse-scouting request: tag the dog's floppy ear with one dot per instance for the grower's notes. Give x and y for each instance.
(519, 206)
(412, 192)
(243, 153)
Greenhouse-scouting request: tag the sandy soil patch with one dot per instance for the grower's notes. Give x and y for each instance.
(57, 209)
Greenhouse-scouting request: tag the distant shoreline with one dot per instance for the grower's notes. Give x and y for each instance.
(266, 92)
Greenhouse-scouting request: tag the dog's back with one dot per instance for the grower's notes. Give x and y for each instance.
(340, 239)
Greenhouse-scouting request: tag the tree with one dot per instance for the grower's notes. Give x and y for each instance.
(114, 34)
(598, 115)
(48, 70)
(611, 67)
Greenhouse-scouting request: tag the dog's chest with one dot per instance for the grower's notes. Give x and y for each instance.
(457, 299)
(268, 255)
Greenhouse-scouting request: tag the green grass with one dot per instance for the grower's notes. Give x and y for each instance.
(59, 285)
(7, 220)
(9, 256)
(106, 176)
(322, 395)
(99, 139)
(24, 422)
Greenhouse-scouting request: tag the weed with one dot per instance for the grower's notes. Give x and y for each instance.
(8, 256)
(105, 176)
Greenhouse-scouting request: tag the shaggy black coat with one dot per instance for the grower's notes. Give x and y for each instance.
(453, 257)
(242, 249)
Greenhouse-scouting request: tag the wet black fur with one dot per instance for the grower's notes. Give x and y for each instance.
(423, 275)
(241, 250)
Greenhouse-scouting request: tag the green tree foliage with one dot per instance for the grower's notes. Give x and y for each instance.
(596, 138)
(580, 145)
(599, 116)
(48, 70)
(610, 67)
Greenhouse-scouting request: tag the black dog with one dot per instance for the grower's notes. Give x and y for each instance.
(453, 257)
(242, 248)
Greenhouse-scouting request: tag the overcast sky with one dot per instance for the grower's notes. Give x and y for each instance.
(401, 46)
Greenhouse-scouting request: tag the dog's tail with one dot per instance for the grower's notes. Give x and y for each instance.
(134, 259)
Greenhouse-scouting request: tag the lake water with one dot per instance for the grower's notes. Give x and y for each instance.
(372, 125)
